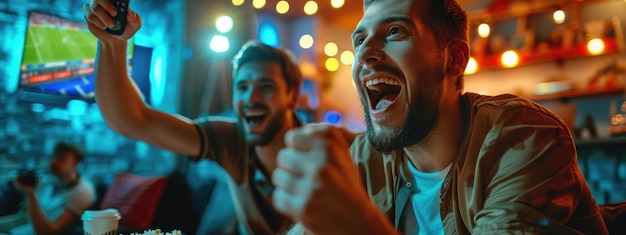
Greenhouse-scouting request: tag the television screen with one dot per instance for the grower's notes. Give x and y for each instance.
(58, 60)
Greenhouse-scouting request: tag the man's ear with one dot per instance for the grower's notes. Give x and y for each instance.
(458, 54)
(294, 98)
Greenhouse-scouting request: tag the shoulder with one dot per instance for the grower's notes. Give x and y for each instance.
(216, 131)
(84, 187)
(508, 108)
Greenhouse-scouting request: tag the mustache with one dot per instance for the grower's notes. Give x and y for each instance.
(380, 68)
(249, 106)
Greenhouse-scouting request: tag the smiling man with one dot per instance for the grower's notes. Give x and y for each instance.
(434, 159)
(266, 85)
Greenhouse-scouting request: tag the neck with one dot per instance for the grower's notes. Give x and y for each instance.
(69, 178)
(436, 151)
(267, 153)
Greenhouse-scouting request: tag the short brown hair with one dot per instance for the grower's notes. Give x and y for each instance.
(446, 19)
(255, 51)
(64, 147)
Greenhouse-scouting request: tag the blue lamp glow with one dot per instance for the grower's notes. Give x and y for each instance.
(332, 117)
(268, 33)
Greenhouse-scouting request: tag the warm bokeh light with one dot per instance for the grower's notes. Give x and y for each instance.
(310, 7)
(258, 4)
(306, 41)
(282, 7)
(510, 59)
(224, 24)
(332, 64)
(472, 66)
(484, 30)
(595, 46)
(238, 2)
(339, 3)
(559, 16)
(330, 49)
(347, 57)
(618, 118)
(219, 43)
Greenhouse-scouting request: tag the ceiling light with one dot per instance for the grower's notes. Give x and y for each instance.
(472, 66)
(510, 59)
(282, 7)
(339, 3)
(347, 57)
(484, 30)
(595, 46)
(219, 43)
(332, 64)
(330, 49)
(559, 16)
(310, 7)
(258, 4)
(224, 24)
(306, 41)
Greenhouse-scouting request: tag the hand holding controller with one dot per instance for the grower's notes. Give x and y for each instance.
(27, 177)
(121, 18)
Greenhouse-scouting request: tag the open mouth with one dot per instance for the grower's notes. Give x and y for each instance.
(382, 92)
(254, 117)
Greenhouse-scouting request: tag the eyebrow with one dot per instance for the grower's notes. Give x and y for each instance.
(262, 80)
(392, 18)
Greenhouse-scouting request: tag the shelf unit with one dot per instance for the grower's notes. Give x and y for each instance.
(577, 94)
(528, 39)
(553, 54)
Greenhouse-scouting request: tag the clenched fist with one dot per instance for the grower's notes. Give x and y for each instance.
(317, 183)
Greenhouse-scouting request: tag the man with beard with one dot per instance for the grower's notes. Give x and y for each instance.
(434, 159)
(266, 87)
(56, 208)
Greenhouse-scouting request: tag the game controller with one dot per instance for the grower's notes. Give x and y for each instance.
(121, 18)
(27, 176)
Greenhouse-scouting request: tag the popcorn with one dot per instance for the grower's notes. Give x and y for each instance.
(158, 232)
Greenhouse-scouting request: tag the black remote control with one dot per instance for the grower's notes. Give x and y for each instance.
(27, 176)
(119, 19)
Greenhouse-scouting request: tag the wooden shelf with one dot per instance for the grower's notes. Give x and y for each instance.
(577, 94)
(618, 141)
(553, 54)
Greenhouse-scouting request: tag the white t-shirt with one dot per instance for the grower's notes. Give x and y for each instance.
(424, 203)
(54, 201)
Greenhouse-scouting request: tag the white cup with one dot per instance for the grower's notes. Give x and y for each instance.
(100, 222)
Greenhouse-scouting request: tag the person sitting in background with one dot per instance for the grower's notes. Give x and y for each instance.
(266, 88)
(434, 159)
(56, 207)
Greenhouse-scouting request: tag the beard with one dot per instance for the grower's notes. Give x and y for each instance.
(274, 125)
(422, 112)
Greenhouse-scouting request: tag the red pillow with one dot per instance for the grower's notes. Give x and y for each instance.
(135, 197)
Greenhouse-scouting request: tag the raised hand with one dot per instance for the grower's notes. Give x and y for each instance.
(98, 14)
(317, 183)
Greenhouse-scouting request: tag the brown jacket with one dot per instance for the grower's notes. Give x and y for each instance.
(516, 172)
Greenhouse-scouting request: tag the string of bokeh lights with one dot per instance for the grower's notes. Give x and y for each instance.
(224, 24)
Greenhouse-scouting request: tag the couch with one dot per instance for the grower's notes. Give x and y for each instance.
(167, 203)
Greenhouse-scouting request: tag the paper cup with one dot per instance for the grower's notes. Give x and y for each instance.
(100, 222)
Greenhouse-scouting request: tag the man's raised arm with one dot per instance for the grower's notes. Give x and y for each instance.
(118, 97)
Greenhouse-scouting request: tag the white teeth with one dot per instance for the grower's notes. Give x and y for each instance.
(371, 83)
(255, 114)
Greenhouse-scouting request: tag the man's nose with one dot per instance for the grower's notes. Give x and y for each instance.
(253, 95)
(370, 51)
